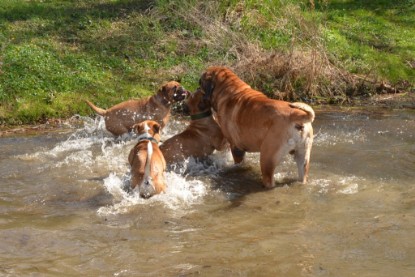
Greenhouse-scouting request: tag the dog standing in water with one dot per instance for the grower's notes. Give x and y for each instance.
(147, 161)
(121, 118)
(201, 137)
(252, 122)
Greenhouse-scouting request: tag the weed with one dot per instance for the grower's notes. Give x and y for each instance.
(54, 54)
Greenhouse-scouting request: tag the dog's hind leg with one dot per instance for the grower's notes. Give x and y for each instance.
(272, 152)
(269, 162)
(302, 154)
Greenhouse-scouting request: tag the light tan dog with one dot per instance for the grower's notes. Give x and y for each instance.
(120, 118)
(201, 137)
(147, 161)
(253, 122)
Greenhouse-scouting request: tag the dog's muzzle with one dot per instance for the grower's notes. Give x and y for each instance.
(180, 94)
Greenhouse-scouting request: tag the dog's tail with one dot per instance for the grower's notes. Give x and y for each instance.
(147, 167)
(98, 110)
(298, 112)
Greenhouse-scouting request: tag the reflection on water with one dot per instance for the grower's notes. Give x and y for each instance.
(63, 209)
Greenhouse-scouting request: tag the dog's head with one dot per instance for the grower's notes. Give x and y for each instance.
(173, 92)
(207, 82)
(211, 78)
(220, 79)
(149, 127)
(196, 102)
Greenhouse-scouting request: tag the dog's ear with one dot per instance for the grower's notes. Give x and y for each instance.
(137, 128)
(156, 128)
(207, 85)
(163, 90)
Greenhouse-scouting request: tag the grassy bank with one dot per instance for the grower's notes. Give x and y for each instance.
(54, 54)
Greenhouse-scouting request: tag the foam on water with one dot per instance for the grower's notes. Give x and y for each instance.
(184, 187)
(93, 132)
(88, 149)
(338, 185)
(84, 157)
(91, 148)
(181, 192)
(322, 138)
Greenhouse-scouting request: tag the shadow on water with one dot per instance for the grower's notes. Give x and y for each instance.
(240, 181)
(75, 200)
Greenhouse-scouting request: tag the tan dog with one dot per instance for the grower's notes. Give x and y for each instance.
(147, 161)
(253, 122)
(200, 138)
(120, 118)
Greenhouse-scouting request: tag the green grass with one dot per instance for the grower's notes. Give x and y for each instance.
(373, 36)
(56, 53)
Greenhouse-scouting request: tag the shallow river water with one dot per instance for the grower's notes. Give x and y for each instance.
(63, 210)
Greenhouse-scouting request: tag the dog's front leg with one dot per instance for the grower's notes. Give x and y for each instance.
(237, 154)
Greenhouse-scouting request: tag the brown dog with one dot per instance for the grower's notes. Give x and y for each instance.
(120, 118)
(253, 122)
(147, 161)
(200, 138)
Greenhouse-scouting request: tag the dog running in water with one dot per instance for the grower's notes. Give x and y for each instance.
(147, 161)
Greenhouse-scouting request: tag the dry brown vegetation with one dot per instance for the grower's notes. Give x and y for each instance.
(304, 72)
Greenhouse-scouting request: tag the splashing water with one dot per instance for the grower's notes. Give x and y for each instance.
(356, 214)
(92, 149)
(184, 189)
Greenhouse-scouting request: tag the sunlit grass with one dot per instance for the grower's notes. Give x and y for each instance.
(54, 54)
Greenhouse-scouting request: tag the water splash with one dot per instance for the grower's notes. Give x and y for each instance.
(91, 148)
(92, 133)
(187, 184)
(181, 192)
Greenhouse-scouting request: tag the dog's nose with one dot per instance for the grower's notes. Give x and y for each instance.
(180, 94)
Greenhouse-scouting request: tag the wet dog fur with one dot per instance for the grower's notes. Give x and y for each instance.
(252, 122)
(121, 118)
(147, 161)
(200, 139)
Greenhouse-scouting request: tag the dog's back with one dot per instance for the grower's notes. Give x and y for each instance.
(253, 122)
(200, 139)
(147, 161)
(120, 118)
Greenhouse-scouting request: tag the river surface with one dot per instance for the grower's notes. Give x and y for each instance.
(63, 210)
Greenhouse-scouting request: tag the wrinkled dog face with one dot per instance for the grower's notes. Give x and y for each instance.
(174, 92)
(196, 102)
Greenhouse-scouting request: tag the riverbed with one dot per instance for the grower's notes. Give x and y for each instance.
(64, 209)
